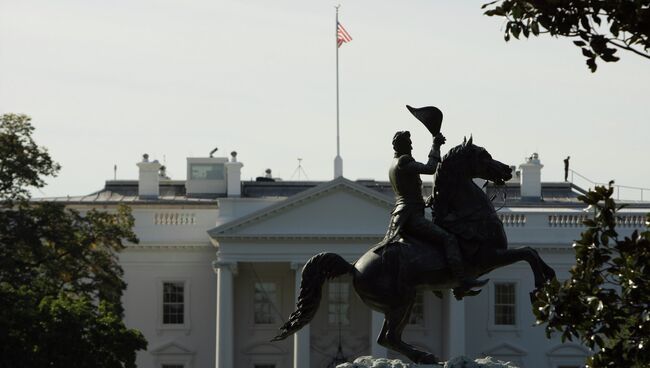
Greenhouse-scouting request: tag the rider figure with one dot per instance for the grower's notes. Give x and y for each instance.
(408, 218)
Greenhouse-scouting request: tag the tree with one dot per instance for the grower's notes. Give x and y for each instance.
(606, 301)
(599, 27)
(60, 283)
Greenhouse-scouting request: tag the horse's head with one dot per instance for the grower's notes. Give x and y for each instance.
(470, 161)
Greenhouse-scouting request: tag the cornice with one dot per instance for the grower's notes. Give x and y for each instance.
(231, 237)
(169, 246)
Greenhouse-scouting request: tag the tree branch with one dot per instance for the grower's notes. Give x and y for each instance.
(628, 48)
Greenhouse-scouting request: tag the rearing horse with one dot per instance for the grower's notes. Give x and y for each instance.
(387, 276)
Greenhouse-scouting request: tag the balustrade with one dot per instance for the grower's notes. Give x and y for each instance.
(174, 218)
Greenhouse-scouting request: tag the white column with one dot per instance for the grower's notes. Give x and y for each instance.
(225, 314)
(301, 339)
(376, 323)
(454, 319)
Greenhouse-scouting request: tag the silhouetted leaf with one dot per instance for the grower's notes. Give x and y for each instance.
(534, 27)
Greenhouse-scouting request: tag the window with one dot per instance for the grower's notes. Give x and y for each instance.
(173, 303)
(173, 366)
(339, 303)
(206, 172)
(417, 312)
(504, 304)
(265, 300)
(264, 366)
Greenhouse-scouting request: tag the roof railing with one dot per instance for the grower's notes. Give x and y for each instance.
(626, 188)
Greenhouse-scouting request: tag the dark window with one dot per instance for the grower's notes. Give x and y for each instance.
(206, 171)
(417, 312)
(504, 303)
(173, 303)
(265, 300)
(339, 303)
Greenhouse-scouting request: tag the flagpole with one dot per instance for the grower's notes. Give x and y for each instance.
(338, 161)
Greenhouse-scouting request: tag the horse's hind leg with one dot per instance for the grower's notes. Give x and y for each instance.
(391, 334)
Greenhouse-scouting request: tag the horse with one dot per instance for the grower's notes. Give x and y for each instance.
(387, 276)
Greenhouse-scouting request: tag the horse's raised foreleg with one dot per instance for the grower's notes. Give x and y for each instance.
(549, 273)
(505, 257)
(391, 334)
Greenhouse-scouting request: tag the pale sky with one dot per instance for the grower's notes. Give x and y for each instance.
(106, 81)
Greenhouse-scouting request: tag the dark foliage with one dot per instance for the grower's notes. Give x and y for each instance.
(598, 27)
(60, 283)
(606, 302)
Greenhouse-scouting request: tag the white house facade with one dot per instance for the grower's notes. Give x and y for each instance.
(217, 269)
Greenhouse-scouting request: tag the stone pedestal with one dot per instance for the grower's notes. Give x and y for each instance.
(458, 362)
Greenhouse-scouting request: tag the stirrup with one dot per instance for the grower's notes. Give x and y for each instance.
(460, 293)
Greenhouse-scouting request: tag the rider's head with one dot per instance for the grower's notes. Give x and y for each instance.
(402, 142)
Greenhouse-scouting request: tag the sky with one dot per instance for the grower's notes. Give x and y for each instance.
(106, 81)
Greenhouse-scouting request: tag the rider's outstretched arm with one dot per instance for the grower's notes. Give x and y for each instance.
(434, 158)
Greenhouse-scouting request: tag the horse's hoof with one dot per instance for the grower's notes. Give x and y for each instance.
(428, 359)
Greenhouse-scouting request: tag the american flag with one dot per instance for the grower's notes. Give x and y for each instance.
(342, 35)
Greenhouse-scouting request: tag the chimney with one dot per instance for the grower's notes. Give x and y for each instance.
(148, 178)
(233, 176)
(531, 178)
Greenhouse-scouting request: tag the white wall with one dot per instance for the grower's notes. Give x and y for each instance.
(144, 270)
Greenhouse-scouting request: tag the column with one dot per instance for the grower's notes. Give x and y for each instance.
(454, 325)
(376, 323)
(225, 314)
(301, 338)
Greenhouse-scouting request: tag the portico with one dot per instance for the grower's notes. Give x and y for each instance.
(267, 250)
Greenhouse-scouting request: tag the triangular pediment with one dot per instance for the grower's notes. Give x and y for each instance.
(336, 208)
(505, 350)
(171, 348)
(569, 350)
(264, 349)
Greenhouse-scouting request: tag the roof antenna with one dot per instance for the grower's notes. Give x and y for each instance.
(213, 151)
(299, 170)
(115, 172)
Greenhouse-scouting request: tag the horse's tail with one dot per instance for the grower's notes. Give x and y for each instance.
(317, 270)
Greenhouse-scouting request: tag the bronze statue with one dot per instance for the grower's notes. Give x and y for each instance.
(386, 276)
(407, 218)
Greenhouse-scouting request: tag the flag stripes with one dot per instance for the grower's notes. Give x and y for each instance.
(342, 35)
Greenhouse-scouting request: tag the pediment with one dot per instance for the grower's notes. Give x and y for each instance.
(263, 349)
(505, 349)
(336, 208)
(569, 350)
(171, 348)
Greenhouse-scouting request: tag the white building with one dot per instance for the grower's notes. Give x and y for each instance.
(218, 266)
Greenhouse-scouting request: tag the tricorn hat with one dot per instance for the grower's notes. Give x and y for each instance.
(430, 116)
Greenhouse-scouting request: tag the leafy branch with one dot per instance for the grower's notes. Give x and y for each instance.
(606, 301)
(601, 27)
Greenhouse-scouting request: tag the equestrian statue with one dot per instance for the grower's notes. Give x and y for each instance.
(464, 240)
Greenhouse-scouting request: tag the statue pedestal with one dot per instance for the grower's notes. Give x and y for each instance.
(458, 362)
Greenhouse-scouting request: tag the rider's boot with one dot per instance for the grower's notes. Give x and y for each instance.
(455, 261)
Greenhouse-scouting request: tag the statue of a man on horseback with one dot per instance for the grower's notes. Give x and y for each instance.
(407, 217)
(418, 254)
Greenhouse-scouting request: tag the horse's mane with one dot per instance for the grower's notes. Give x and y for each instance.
(449, 161)
(446, 173)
